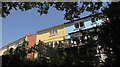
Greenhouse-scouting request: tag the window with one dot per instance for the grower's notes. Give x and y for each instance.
(51, 32)
(53, 44)
(54, 31)
(106, 19)
(79, 24)
(96, 19)
(49, 44)
(76, 25)
(85, 38)
(92, 19)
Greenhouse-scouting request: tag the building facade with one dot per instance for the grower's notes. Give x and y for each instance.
(81, 24)
(13, 44)
(68, 33)
(52, 35)
(31, 39)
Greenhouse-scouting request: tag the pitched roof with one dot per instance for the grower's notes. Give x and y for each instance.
(12, 42)
(50, 27)
(84, 17)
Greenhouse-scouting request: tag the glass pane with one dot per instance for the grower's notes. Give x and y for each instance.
(76, 25)
(55, 31)
(92, 20)
(81, 24)
(51, 32)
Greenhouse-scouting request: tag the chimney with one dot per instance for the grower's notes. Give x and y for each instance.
(69, 20)
(27, 33)
(9, 42)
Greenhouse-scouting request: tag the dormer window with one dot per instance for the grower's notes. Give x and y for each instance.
(79, 24)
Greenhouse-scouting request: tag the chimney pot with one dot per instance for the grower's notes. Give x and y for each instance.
(69, 20)
(27, 33)
(9, 42)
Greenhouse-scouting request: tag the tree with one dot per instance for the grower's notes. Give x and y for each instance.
(18, 56)
(110, 35)
(72, 9)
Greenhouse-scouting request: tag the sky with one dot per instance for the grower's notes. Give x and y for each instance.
(0, 31)
(18, 23)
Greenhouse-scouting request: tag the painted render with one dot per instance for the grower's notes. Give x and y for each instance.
(13, 45)
(31, 39)
(44, 35)
(69, 26)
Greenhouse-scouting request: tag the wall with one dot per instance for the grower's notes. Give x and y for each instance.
(69, 27)
(46, 37)
(11, 45)
(31, 42)
(15, 44)
(2, 51)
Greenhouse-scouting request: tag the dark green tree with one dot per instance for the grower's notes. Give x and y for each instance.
(110, 34)
(18, 56)
(72, 9)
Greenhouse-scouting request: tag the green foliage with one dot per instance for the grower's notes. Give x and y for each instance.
(21, 51)
(110, 35)
(18, 56)
(72, 9)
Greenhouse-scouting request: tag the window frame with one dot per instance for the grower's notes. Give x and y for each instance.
(79, 24)
(94, 19)
(75, 25)
(50, 32)
(53, 31)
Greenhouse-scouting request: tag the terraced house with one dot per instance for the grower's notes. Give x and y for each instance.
(73, 28)
(63, 32)
(13, 44)
(28, 37)
(76, 28)
(31, 39)
(67, 34)
(52, 35)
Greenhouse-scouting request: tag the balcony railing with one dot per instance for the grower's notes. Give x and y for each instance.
(62, 44)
